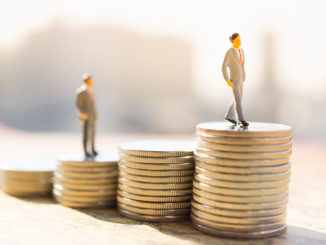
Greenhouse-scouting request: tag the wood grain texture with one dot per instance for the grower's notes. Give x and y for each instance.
(42, 221)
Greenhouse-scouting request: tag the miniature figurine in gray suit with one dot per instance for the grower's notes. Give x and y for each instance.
(234, 61)
(85, 104)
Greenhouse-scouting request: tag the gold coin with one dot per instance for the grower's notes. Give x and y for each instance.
(59, 194)
(167, 167)
(77, 159)
(23, 191)
(76, 204)
(81, 175)
(240, 206)
(240, 228)
(157, 160)
(240, 162)
(83, 181)
(243, 177)
(153, 205)
(246, 155)
(150, 218)
(19, 175)
(240, 192)
(236, 213)
(153, 198)
(145, 179)
(156, 212)
(87, 169)
(244, 235)
(243, 140)
(157, 193)
(255, 129)
(159, 186)
(153, 173)
(240, 199)
(158, 148)
(76, 192)
(236, 220)
(241, 185)
(87, 187)
(244, 170)
(244, 148)
(27, 185)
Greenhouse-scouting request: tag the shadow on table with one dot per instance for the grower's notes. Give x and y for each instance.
(185, 231)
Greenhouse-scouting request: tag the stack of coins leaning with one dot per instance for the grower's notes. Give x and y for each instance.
(241, 179)
(90, 182)
(155, 180)
(27, 177)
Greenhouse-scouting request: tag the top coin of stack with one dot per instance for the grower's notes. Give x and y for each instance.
(27, 176)
(241, 179)
(155, 179)
(90, 182)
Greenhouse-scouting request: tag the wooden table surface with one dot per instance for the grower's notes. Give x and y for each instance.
(42, 221)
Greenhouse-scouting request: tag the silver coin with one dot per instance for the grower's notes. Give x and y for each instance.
(255, 129)
(240, 199)
(155, 173)
(240, 206)
(240, 192)
(244, 148)
(243, 177)
(240, 162)
(158, 148)
(238, 213)
(230, 140)
(246, 235)
(241, 185)
(151, 218)
(158, 193)
(157, 160)
(244, 170)
(240, 228)
(154, 167)
(245, 155)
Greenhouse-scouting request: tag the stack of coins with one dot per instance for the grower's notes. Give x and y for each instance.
(155, 180)
(241, 179)
(27, 177)
(83, 183)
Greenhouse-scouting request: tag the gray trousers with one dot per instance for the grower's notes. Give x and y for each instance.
(236, 105)
(88, 135)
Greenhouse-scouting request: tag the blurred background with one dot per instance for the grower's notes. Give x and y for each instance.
(156, 65)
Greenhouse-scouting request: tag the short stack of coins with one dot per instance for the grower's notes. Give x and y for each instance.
(81, 182)
(241, 179)
(155, 180)
(27, 176)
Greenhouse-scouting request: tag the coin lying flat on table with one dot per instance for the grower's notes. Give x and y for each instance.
(27, 176)
(74, 186)
(158, 148)
(255, 129)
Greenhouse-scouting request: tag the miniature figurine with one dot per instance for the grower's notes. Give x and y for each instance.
(85, 104)
(234, 60)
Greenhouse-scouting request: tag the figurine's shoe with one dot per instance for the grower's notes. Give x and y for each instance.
(87, 155)
(231, 121)
(95, 153)
(244, 123)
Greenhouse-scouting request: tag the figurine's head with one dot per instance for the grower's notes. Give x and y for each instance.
(87, 80)
(235, 40)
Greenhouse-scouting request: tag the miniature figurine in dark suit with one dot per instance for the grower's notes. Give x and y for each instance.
(85, 104)
(234, 61)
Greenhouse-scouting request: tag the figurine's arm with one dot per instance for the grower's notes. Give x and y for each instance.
(225, 70)
(81, 107)
(244, 71)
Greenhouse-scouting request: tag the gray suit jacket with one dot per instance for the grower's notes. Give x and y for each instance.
(84, 104)
(237, 71)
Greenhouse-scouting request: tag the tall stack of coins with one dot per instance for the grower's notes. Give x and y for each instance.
(155, 180)
(241, 179)
(27, 177)
(90, 182)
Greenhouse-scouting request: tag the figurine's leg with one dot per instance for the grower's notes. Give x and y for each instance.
(92, 130)
(85, 137)
(230, 116)
(238, 105)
